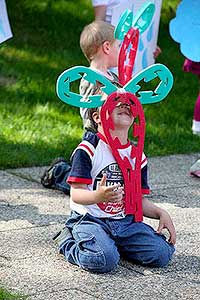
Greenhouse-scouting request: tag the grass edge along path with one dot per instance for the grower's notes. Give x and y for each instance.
(7, 295)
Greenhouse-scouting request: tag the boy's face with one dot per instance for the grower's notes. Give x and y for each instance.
(122, 116)
(114, 53)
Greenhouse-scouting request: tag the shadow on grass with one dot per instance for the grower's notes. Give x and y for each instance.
(45, 42)
(49, 23)
(24, 154)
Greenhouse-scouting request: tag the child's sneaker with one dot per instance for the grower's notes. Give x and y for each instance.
(56, 176)
(195, 168)
(62, 236)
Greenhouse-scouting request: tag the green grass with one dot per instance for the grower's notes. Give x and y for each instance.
(35, 127)
(6, 295)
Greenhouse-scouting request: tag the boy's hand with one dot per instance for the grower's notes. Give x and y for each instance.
(166, 222)
(112, 193)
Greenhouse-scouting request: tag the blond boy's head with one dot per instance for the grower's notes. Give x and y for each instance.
(93, 36)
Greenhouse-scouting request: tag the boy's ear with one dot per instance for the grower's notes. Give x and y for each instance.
(106, 47)
(96, 117)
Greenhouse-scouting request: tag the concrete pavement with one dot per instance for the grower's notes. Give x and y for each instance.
(30, 215)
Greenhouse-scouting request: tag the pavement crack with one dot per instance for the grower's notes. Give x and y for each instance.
(23, 176)
(32, 227)
(5, 257)
(65, 290)
(130, 268)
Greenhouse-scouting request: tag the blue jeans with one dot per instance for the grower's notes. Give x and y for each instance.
(96, 244)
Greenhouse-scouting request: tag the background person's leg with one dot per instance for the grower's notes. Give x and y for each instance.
(195, 168)
(196, 118)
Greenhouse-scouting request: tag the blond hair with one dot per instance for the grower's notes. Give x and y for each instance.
(93, 36)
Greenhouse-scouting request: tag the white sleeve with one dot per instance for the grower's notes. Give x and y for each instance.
(99, 2)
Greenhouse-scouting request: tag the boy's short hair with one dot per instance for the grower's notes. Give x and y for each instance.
(94, 35)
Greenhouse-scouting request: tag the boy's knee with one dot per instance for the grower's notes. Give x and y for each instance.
(162, 255)
(94, 251)
(102, 262)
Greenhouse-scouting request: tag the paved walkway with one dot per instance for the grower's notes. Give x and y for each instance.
(31, 214)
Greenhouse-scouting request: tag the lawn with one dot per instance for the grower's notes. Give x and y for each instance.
(35, 126)
(6, 295)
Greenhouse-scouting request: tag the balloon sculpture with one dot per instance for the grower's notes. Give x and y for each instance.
(184, 29)
(128, 30)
